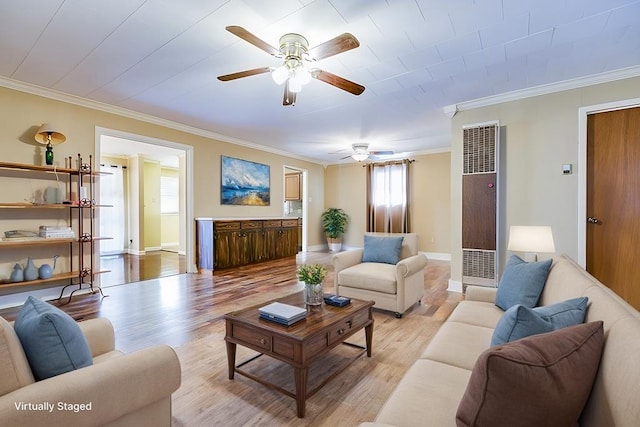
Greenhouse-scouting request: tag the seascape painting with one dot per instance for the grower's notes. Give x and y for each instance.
(244, 183)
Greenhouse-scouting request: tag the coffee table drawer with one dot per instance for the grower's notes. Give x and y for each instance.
(251, 337)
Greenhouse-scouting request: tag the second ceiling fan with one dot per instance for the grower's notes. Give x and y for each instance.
(294, 49)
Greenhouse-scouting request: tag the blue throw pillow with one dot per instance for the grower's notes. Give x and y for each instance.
(522, 283)
(382, 249)
(566, 313)
(520, 321)
(51, 339)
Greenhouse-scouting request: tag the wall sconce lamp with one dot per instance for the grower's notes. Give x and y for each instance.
(531, 239)
(49, 136)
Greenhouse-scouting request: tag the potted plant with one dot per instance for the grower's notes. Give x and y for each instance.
(334, 223)
(312, 275)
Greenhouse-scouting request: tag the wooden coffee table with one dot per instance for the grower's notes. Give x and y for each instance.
(298, 345)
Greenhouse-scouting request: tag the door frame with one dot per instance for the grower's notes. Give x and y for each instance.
(189, 222)
(303, 189)
(583, 112)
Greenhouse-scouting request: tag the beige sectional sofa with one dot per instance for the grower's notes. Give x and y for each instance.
(430, 391)
(119, 389)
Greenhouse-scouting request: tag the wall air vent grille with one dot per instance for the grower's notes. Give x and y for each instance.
(479, 149)
(479, 267)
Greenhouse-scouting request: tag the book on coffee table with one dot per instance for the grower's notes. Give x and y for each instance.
(284, 314)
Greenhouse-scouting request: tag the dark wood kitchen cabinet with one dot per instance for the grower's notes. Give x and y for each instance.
(241, 242)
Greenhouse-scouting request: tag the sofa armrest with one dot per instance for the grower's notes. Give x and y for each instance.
(99, 334)
(113, 388)
(411, 265)
(346, 259)
(481, 293)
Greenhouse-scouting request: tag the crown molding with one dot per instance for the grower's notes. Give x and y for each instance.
(609, 76)
(147, 118)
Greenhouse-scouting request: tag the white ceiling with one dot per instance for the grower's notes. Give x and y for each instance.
(161, 57)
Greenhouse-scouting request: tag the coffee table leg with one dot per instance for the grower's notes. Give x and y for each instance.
(231, 358)
(368, 333)
(301, 389)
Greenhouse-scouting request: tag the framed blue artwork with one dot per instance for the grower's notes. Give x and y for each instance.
(244, 183)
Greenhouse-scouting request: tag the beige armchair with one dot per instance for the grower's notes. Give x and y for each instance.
(119, 389)
(392, 287)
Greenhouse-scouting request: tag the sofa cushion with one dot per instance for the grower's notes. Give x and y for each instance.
(522, 282)
(382, 249)
(51, 339)
(540, 380)
(378, 277)
(427, 395)
(15, 367)
(458, 344)
(520, 321)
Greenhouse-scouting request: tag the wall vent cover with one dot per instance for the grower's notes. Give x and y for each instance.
(479, 149)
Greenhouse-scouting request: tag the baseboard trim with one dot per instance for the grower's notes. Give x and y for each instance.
(441, 256)
(135, 252)
(455, 286)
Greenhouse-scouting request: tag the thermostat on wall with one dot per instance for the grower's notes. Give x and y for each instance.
(566, 169)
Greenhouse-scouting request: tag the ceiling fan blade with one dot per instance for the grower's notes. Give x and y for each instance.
(254, 40)
(289, 97)
(245, 73)
(342, 43)
(337, 81)
(381, 153)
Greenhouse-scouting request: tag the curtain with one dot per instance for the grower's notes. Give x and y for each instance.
(388, 196)
(112, 219)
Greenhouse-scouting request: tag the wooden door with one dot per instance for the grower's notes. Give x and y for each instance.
(613, 201)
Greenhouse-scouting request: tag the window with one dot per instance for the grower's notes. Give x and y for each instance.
(388, 197)
(169, 195)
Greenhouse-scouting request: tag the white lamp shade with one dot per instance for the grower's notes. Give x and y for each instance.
(360, 157)
(524, 238)
(294, 85)
(280, 74)
(42, 135)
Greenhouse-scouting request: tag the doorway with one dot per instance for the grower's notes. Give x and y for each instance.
(147, 191)
(296, 206)
(612, 199)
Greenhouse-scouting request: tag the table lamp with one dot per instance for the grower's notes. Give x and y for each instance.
(531, 239)
(47, 134)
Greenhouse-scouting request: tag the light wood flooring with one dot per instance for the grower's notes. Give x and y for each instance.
(186, 311)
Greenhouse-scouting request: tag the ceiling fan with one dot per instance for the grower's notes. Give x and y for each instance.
(361, 152)
(294, 49)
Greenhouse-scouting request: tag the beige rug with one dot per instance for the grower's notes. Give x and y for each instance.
(208, 398)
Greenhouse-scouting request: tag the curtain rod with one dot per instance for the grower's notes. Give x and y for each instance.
(389, 162)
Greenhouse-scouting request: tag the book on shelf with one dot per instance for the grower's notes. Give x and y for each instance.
(55, 228)
(283, 314)
(56, 232)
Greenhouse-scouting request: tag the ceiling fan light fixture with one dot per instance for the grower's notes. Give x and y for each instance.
(295, 85)
(360, 157)
(280, 74)
(301, 74)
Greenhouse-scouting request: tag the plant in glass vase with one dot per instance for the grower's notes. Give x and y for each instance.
(312, 275)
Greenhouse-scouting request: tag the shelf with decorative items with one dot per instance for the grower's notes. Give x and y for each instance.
(76, 237)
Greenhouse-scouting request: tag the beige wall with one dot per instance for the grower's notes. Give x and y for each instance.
(538, 136)
(345, 187)
(169, 223)
(152, 220)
